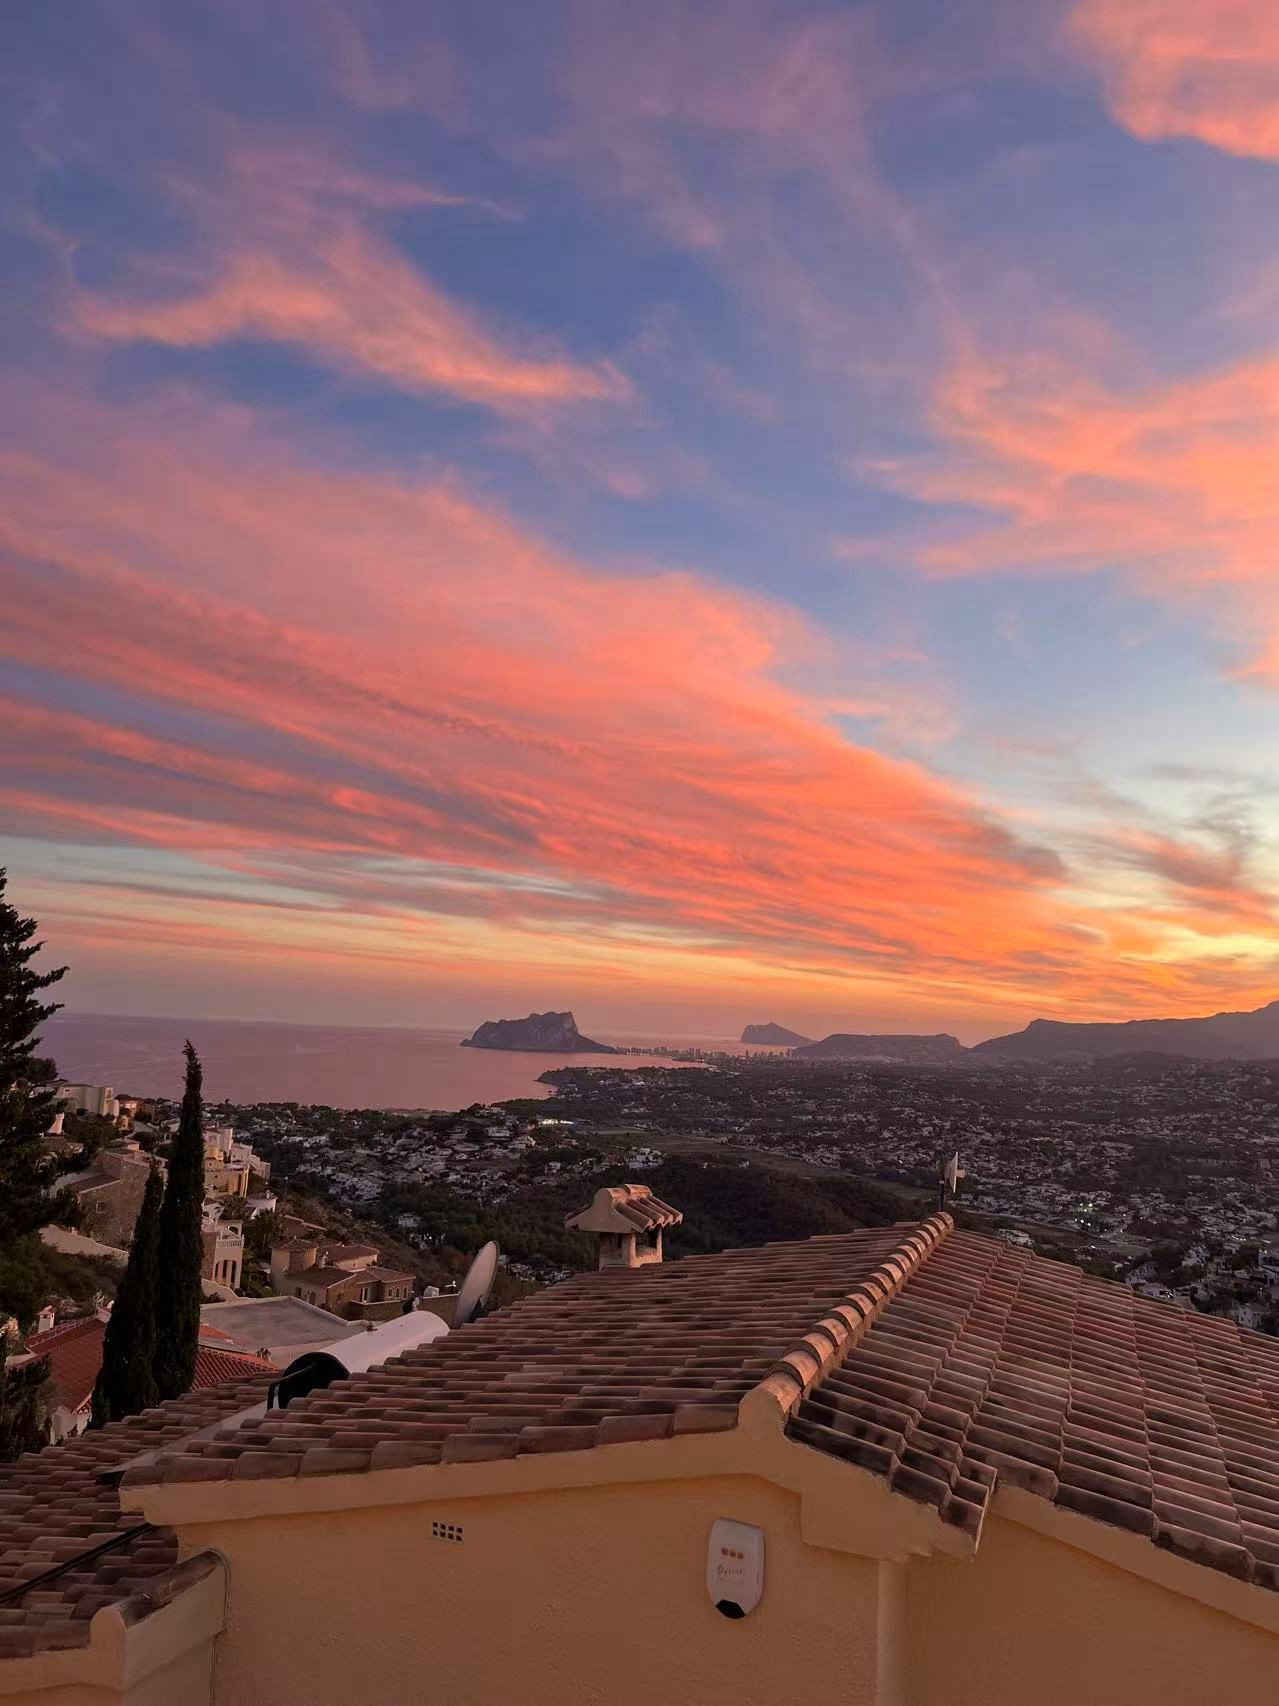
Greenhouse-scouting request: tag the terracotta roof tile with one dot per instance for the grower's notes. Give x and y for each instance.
(74, 1350)
(939, 1360)
(1154, 1419)
(53, 1510)
(603, 1357)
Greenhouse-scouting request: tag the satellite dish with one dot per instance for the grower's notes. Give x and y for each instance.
(475, 1288)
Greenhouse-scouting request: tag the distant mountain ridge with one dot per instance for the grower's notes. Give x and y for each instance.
(540, 1033)
(1219, 1036)
(773, 1036)
(939, 1050)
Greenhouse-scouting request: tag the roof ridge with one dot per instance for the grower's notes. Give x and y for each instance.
(825, 1345)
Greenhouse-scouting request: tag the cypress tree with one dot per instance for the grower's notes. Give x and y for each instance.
(27, 1168)
(181, 1255)
(126, 1381)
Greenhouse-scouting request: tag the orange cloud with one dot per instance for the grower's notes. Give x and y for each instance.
(392, 701)
(1210, 891)
(297, 260)
(1207, 69)
(1172, 485)
(393, 688)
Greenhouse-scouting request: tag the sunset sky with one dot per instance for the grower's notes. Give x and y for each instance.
(697, 513)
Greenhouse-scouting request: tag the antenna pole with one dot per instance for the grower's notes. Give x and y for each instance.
(950, 1173)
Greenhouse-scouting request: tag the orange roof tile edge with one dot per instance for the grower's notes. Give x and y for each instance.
(606, 1358)
(829, 1341)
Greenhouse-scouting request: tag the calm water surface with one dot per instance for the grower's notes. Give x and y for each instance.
(345, 1067)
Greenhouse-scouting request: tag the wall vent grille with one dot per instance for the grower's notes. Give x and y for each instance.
(450, 1531)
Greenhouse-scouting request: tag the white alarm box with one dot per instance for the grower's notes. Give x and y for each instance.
(735, 1567)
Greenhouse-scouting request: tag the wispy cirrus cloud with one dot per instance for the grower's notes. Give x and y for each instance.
(1206, 69)
(288, 250)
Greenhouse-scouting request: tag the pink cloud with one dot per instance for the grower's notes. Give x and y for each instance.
(294, 257)
(1207, 69)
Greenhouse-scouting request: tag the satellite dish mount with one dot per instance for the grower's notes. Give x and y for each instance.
(948, 1182)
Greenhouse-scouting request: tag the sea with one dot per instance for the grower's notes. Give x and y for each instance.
(341, 1066)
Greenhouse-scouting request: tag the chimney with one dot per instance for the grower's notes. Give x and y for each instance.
(628, 1220)
(46, 1319)
(289, 1257)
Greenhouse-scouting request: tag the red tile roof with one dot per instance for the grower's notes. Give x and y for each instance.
(213, 1365)
(74, 1350)
(939, 1360)
(53, 1511)
(994, 1362)
(616, 1355)
(324, 1278)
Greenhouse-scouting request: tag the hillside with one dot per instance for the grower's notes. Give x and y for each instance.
(1219, 1036)
(940, 1050)
(725, 1205)
(773, 1036)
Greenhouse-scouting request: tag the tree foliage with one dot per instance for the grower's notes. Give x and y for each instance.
(33, 1273)
(725, 1205)
(27, 1167)
(180, 1251)
(126, 1382)
(24, 1405)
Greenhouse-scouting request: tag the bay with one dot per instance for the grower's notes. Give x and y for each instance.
(339, 1066)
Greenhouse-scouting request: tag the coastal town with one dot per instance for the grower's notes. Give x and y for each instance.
(1154, 1170)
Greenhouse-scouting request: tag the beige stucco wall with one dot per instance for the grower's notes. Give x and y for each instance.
(595, 1596)
(1033, 1620)
(582, 1595)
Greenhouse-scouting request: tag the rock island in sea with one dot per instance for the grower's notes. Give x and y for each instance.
(540, 1033)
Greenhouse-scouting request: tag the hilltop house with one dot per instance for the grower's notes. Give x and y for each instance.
(231, 1169)
(99, 1099)
(908, 1466)
(343, 1278)
(222, 1246)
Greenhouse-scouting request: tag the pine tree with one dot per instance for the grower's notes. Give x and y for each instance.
(24, 1405)
(27, 1168)
(181, 1254)
(126, 1381)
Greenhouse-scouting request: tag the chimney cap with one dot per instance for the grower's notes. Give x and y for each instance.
(623, 1208)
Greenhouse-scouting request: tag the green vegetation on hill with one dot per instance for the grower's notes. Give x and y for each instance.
(725, 1205)
(33, 1274)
